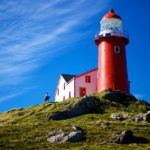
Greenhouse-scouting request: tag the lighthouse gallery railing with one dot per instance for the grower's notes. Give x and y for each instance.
(106, 33)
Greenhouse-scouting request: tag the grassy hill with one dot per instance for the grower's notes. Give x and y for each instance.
(28, 128)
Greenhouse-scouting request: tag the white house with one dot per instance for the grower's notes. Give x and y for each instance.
(76, 86)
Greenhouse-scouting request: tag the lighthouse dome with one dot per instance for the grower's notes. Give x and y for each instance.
(111, 14)
(111, 21)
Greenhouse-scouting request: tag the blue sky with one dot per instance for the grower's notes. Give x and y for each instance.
(41, 39)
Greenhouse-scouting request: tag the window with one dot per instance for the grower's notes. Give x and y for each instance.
(87, 79)
(97, 74)
(64, 98)
(64, 86)
(117, 49)
(70, 94)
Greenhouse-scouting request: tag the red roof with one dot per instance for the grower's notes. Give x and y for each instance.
(82, 74)
(86, 73)
(111, 14)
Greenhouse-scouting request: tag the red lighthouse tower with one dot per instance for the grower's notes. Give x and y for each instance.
(111, 41)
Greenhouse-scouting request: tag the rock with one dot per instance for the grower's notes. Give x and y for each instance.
(57, 138)
(125, 116)
(54, 132)
(146, 117)
(120, 97)
(119, 116)
(73, 136)
(116, 116)
(80, 107)
(126, 137)
(108, 90)
(138, 118)
(142, 117)
(76, 128)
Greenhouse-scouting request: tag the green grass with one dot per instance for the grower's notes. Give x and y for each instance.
(28, 128)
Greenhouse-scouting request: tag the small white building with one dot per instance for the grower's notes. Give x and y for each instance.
(76, 86)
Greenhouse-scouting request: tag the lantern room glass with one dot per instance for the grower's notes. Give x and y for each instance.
(111, 24)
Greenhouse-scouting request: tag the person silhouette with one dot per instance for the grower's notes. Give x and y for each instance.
(46, 97)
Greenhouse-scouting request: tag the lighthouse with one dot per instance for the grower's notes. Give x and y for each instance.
(112, 65)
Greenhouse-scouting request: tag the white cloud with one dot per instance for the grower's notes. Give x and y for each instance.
(29, 30)
(4, 98)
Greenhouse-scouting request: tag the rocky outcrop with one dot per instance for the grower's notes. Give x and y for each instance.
(146, 116)
(108, 90)
(77, 128)
(120, 97)
(126, 137)
(80, 107)
(142, 117)
(72, 136)
(138, 118)
(119, 116)
(54, 132)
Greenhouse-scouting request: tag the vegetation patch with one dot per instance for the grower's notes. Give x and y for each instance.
(29, 128)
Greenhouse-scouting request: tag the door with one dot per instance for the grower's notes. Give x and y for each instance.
(70, 94)
(82, 91)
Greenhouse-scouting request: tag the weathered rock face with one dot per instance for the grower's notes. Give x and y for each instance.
(77, 128)
(54, 132)
(126, 137)
(146, 116)
(73, 136)
(143, 117)
(120, 97)
(81, 106)
(125, 116)
(139, 118)
(119, 116)
(116, 116)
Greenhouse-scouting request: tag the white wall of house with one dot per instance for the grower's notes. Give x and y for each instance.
(91, 87)
(70, 88)
(60, 89)
(64, 92)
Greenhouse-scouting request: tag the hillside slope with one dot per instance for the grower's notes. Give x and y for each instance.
(29, 128)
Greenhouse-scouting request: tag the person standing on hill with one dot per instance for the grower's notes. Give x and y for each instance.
(46, 97)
